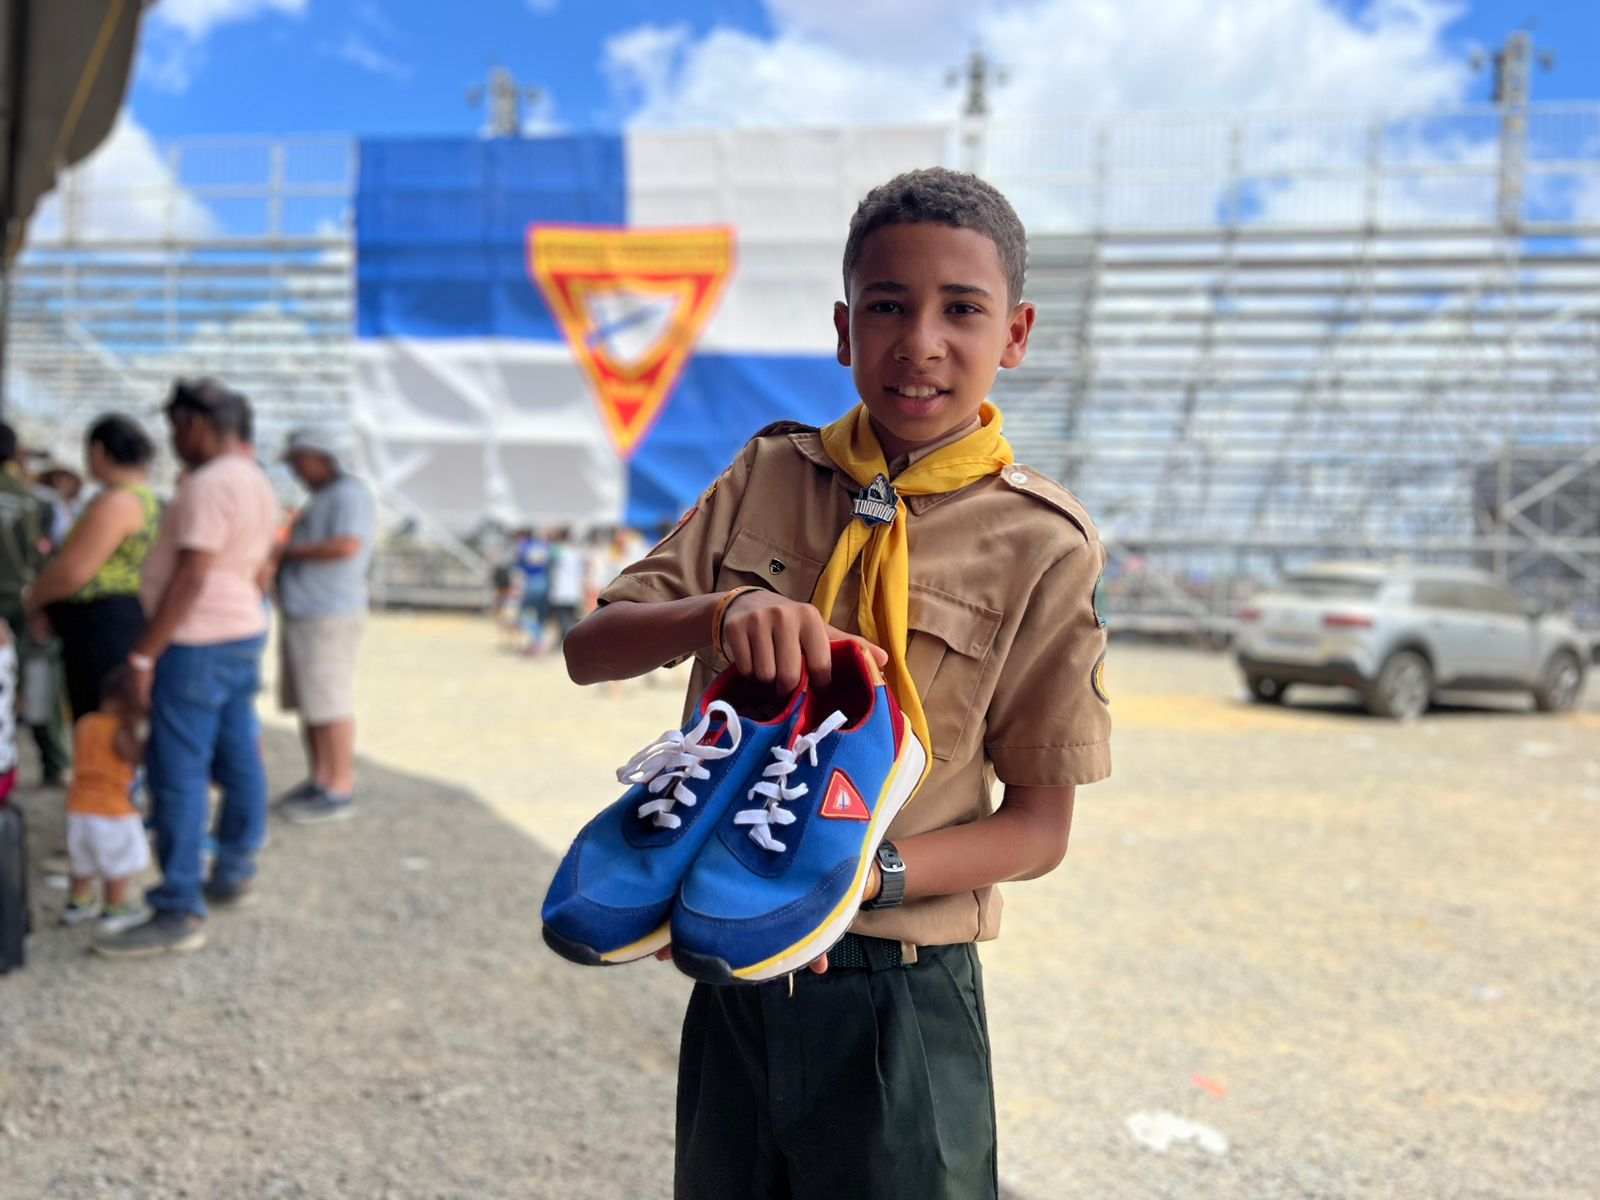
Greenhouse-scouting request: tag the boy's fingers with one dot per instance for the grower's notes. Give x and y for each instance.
(820, 965)
(763, 662)
(736, 645)
(664, 954)
(788, 661)
(879, 654)
(819, 657)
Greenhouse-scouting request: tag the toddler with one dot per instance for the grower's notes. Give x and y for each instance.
(105, 833)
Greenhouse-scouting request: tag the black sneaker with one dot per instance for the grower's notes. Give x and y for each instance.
(300, 791)
(230, 895)
(321, 808)
(164, 933)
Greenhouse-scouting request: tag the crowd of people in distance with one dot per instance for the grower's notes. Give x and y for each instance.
(547, 582)
(144, 622)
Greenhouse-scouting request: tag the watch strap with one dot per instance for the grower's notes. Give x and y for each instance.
(892, 877)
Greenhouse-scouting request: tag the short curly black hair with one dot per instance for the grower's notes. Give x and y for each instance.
(941, 196)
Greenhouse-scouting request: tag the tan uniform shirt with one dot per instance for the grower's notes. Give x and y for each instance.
(1006, 646)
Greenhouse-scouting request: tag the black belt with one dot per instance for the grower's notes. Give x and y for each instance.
(855, 952)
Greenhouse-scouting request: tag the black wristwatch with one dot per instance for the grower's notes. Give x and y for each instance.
(892, 870)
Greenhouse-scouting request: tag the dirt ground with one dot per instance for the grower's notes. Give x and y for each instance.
(1363, 960)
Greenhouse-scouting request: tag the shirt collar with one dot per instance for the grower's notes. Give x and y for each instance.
(809, 444)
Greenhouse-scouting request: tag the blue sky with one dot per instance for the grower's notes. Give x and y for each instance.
(403, 66)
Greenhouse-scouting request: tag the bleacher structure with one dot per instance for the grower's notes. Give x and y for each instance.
(1263, 339)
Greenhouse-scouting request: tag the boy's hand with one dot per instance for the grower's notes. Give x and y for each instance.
(770, 636)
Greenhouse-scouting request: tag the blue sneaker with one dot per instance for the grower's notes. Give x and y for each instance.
(783, 878)
(612, 896)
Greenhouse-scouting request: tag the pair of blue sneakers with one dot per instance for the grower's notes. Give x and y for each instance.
(746, 837)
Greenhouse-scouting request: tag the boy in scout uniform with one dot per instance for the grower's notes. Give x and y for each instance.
(870, 1074)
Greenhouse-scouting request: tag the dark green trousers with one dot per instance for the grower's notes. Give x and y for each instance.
(870, 1082)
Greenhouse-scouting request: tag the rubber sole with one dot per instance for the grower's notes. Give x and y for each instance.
(705, 968)
(187, 946)
(708, 968)
(588, 956)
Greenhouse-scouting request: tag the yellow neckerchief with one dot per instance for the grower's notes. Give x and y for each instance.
(885, 549)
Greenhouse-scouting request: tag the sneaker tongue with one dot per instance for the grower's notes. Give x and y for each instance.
(769, 710)
(717, 733)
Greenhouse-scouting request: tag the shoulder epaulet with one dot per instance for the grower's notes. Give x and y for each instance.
(1047, 491)
(778, 428)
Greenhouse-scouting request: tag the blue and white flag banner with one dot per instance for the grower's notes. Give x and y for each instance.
(585, 329)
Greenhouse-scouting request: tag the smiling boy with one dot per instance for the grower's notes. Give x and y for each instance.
(870, 1075)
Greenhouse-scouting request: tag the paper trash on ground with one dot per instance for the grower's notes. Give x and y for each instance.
(1160, 1131)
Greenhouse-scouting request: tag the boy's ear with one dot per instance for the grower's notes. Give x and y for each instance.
(841, 326)
(1017, 331)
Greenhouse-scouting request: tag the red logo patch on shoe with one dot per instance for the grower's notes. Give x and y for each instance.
(843, 802)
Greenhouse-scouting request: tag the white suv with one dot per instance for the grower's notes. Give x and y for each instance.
(1399, 633)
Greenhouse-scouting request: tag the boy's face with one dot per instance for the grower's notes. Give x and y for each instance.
(926, 328)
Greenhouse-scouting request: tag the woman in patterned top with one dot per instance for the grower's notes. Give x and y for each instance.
(89, 592)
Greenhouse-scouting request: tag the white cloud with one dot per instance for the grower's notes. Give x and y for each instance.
(124, 191)
(862, 61)
(172, 42)
(371, 14)
(541, 117)
(358, 51)
(197, 18)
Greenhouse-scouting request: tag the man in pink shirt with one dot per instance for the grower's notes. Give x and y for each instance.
(197, 668)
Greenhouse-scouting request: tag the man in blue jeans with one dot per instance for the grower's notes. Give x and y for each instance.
(197, 667)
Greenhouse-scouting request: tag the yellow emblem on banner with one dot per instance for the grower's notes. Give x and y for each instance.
(632, 304)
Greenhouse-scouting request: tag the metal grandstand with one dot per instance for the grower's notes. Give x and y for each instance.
(1263, 338)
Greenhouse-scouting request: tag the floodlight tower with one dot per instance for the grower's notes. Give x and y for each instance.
(978, 74)
(1513, 87)
(505, 99)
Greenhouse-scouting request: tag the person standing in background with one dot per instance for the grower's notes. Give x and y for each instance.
(196, 669)
(25, 522)
(533, 561)
(566, 582)
(322, 592)
(89, 592)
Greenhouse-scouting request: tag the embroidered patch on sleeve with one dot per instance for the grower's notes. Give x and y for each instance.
(1097, 679)
(686, 518)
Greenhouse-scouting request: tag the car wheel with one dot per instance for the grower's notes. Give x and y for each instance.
(1403, 688)
(1267, 691)
(1559, 684)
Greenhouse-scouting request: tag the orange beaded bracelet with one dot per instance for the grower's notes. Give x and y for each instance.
(722, 611)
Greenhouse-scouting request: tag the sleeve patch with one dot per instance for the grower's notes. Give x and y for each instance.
(1097, 679)
(685, 519)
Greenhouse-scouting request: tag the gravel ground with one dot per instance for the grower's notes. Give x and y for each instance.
(1366, 956)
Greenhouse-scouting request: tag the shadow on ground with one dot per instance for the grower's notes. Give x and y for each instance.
(384, 1022)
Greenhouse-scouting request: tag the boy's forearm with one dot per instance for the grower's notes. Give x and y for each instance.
(1017, 841)
(627, 638)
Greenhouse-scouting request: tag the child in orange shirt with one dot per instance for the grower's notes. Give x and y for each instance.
(105, 833)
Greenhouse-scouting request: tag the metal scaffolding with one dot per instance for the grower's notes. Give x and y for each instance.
(1263, 338)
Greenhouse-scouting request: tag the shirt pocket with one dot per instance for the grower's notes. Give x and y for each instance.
(753, 559)
(949, 646)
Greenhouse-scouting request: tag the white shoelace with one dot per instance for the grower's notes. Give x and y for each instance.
(667, 763)
(774, 786)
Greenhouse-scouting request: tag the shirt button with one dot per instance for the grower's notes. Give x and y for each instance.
(1018, 477)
